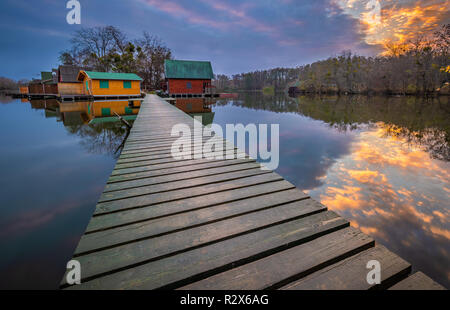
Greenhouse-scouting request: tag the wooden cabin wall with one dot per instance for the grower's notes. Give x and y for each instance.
(116, 88)
(49, 89)
(179, 86)
(70, 88)
(35, 89)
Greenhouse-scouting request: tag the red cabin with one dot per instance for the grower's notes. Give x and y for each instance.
(186, 77)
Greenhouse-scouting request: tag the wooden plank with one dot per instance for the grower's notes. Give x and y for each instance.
(173, 169)
(152, 149)
(417, 281)
(155, 198)
(167, 150)
(143, 189)
(168, 145)
(350, 274)
(182, 268)
(117, 219)
(286, 266)
(186, 176)
(225, 155)
(145, 250)
(137, 139)
(168, 154)
(156, 227)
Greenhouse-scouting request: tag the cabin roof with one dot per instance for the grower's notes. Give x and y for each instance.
(112, 76)
(68, 73)
(188, 69)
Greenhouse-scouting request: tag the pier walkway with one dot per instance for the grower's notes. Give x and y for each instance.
(218, 224)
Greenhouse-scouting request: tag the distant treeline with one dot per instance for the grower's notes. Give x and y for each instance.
(275, 79)
(107, 49)
(419, 66)
(7, 84)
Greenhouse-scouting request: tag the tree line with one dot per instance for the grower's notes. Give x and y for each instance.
(419, 66)
(107, 49)
(277, 78)
(7, 84)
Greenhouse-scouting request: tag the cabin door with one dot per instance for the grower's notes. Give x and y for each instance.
(87, 87)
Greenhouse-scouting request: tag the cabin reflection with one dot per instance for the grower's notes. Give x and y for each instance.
(88, 112)
(105, 111)
(73, 113)
(197, 107)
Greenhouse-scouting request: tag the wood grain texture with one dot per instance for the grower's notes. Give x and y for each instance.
(350, 274)
(418, 281)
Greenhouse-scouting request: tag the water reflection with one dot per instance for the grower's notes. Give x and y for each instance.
(55, 161)
(95, 122)
(382, 163)
(197, 107)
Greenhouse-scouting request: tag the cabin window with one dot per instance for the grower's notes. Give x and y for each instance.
(126, 84)
(106, 111)
(188, 85)
(104, 84)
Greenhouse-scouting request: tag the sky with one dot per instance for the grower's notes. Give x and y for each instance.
(235, 35)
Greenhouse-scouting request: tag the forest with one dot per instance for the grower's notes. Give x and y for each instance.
(418, 66)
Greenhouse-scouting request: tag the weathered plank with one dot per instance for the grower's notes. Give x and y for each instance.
(227, 154)
(155, 198)
(175, 169)
(186, 176)
(151, 146)
(286, 266)
(186, 267)
(141, 188)
(151, 249)
(417, 281)
(117, 219)
(194, 153)
(169, 224)
(350, 274)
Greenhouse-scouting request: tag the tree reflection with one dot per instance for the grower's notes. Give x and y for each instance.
(422, 122)
(101, 138)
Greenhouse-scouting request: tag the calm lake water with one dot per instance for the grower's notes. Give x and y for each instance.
(382, 163)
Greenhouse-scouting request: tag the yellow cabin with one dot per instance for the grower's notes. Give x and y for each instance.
(103, 84)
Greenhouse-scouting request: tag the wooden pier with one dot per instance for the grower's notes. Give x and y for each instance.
(218, 224)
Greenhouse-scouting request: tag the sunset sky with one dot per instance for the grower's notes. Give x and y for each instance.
(237, 36)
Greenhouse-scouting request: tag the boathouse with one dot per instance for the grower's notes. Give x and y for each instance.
(107, 84)
(46, 86)
(68, 84)
(188, 77)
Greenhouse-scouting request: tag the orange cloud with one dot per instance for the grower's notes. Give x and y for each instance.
(395, 22)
